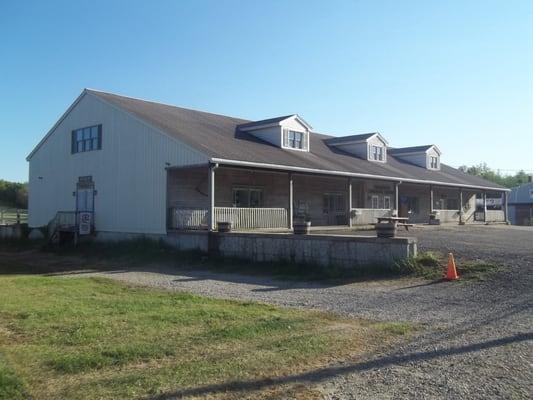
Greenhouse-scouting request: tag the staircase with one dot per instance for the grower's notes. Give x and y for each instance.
(63, 222)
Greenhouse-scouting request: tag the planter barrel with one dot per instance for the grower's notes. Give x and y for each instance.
(386, 229)
(224, 226)
(301, 228)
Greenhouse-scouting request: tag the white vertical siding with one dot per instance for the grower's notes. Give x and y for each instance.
(129, 171)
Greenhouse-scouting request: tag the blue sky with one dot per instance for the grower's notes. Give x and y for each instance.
(454, 73)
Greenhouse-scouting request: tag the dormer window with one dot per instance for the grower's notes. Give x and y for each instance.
(434, 162)
(288, 132)
(376, 153)
(295, 139)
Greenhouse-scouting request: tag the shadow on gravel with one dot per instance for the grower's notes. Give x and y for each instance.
(330, 372)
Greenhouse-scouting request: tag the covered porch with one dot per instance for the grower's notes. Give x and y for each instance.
(200, 196)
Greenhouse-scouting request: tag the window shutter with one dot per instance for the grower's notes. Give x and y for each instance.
(285, 138)
(305, 141)
(100, 137)
(72, 142)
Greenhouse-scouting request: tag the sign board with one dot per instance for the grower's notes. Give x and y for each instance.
(86, 219)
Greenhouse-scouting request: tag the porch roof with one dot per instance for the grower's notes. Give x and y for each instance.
(218, 137)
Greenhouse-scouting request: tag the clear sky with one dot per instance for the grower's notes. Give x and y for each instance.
(455, 73)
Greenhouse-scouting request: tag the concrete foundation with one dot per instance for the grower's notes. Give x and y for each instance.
(10, 232)
(325, 250)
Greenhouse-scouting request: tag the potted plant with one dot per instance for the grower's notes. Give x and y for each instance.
(302, 224)
(433, 218)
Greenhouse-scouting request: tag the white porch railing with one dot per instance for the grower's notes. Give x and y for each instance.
(241, 218)
(492, 216)
(189, 218)
(250, 218)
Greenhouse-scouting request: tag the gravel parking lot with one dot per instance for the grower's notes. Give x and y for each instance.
(477, 336)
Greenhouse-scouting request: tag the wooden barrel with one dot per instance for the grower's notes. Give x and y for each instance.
(386, 229)
(224, 226)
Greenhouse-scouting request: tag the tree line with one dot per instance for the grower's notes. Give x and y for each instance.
(13, 194)
(483, 171)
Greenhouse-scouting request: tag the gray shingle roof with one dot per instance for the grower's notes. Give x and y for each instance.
(217, 136)
(264, 121)
(412, 149)
(350, 138)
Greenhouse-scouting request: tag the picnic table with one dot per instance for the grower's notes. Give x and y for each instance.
(397, 221)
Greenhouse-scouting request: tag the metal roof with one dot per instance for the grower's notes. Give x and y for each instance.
(218, 137)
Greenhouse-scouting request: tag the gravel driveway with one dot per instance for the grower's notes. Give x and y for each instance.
(478, 337)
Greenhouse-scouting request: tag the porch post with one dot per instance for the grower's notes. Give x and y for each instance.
(505, 207)
(484, 206)
(291, 201)
(350, 202)
(461, 222)
(430, 199)
(211, 196)
(397, 198)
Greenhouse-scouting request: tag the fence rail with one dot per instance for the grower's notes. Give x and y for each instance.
(9, 216)
(492, 216)
(250, 218)
(189, 218)
(241, 218)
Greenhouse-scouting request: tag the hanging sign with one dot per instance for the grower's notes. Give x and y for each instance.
(86, 219)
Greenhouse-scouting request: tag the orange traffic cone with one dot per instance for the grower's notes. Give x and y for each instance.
(451, 274)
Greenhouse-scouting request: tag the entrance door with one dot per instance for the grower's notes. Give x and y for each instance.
(85, 199)
(334, 210)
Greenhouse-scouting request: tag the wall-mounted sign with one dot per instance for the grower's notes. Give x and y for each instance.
(86, 219)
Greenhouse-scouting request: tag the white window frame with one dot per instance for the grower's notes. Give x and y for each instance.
(376, 198)
(387, 199)
(286, 141)
(249, 189)
(376, 153)
(434, 162)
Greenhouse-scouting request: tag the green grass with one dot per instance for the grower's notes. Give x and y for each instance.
(89, 338)
(11, 385)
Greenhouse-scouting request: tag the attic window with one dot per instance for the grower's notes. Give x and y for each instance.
(294, 139)
(434, 162)
(376, 153)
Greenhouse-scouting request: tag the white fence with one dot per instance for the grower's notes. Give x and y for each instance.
(492, 216)
(250, 218)
(10, 216)
(189, 218)
(241, 218)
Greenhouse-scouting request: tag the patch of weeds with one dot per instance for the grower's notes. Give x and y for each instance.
(477, 270)
(395, 328)
(433, 266)
(11, 386)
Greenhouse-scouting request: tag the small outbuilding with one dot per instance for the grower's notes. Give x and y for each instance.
(521, 204)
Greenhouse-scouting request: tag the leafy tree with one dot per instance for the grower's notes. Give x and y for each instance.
(483, 171)
(13, 194)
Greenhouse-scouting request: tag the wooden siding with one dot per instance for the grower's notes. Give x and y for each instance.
(128, 172)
